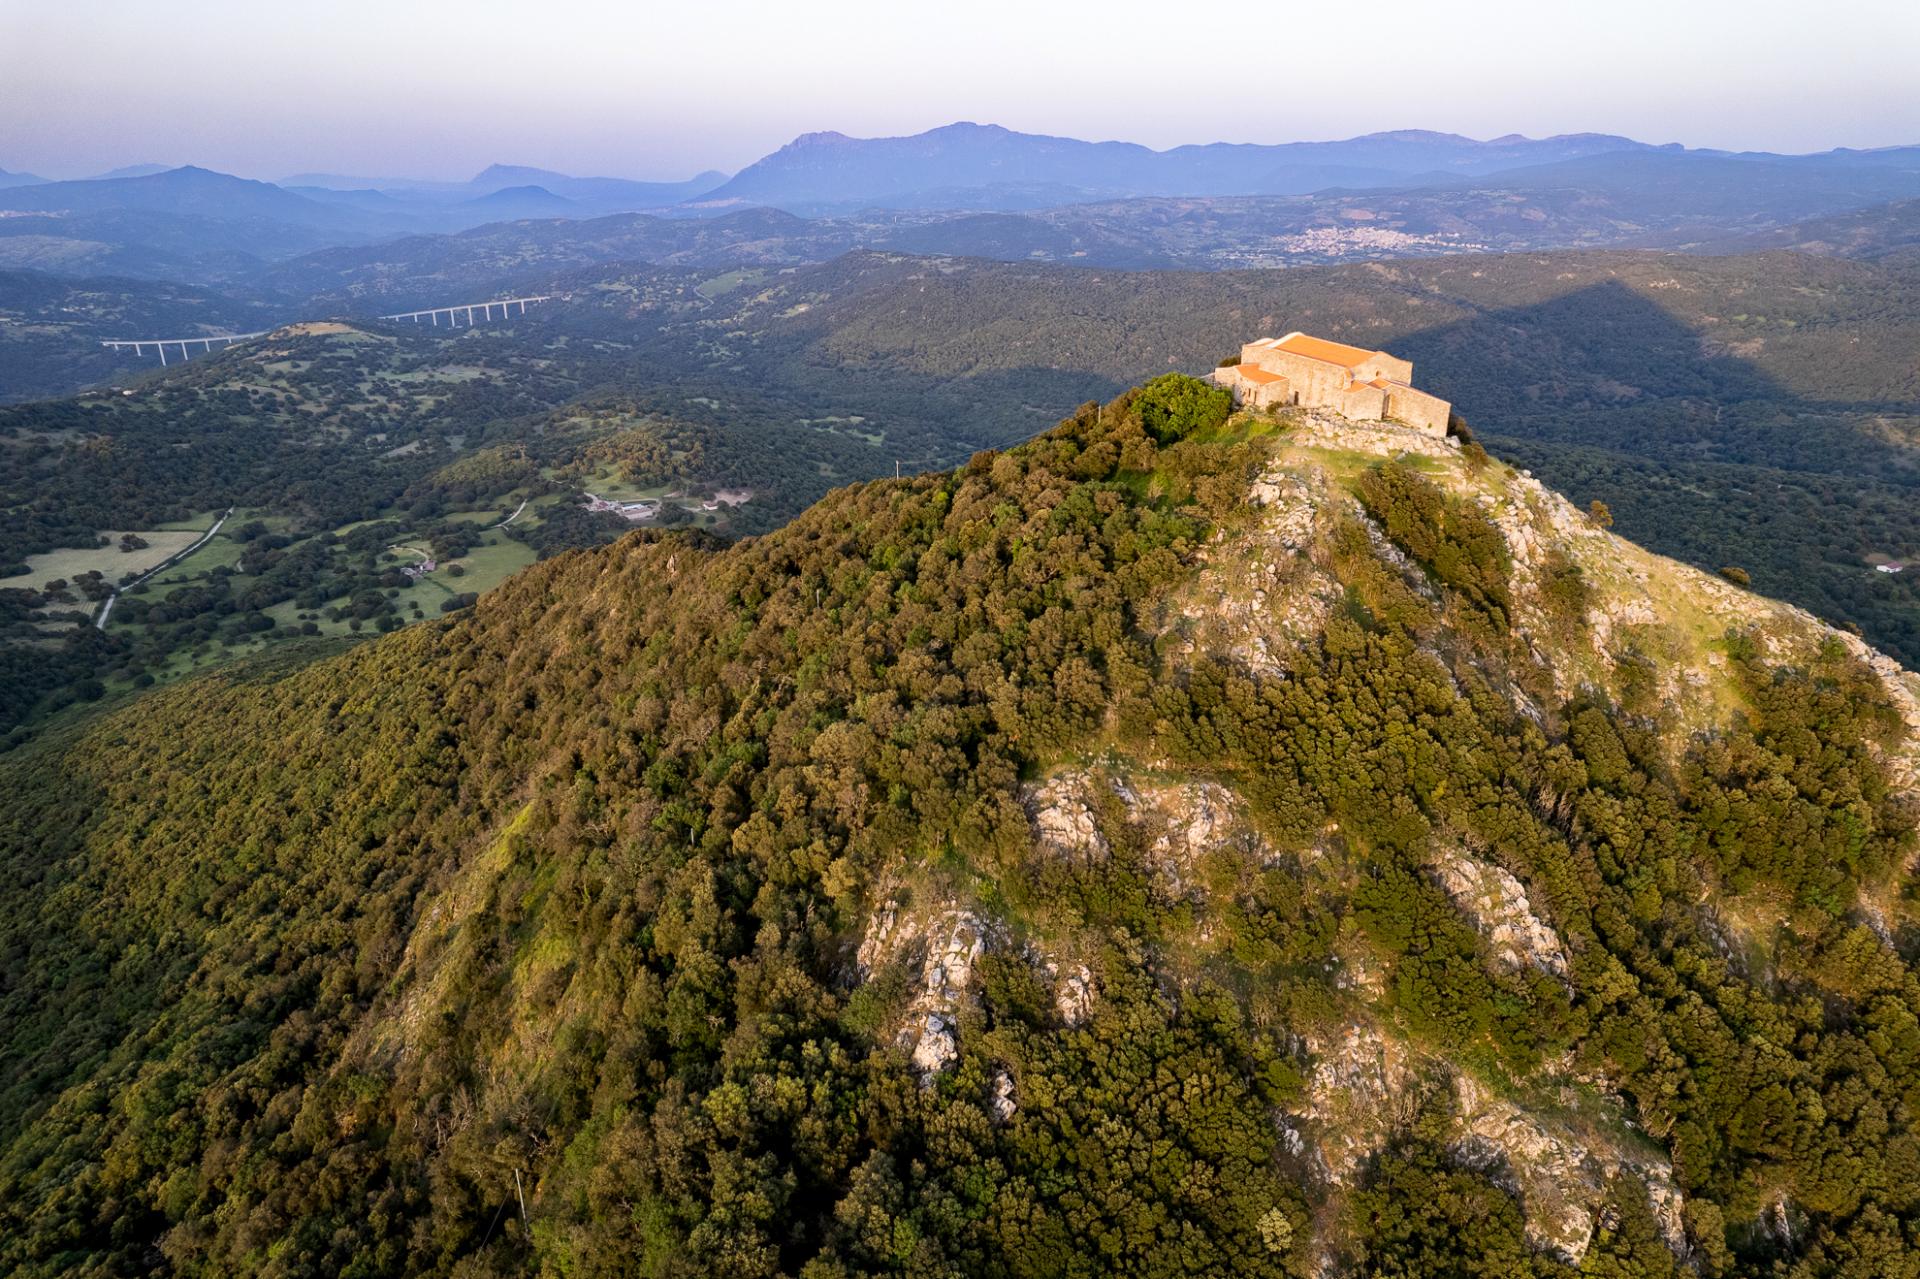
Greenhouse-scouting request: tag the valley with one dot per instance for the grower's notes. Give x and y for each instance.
(960, 703)
(1753, 411)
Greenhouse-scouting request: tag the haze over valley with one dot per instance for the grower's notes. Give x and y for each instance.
(787, 680)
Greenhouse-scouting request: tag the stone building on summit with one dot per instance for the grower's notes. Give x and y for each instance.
(1369, 386)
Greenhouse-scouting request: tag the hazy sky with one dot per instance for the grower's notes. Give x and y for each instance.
(441, 88)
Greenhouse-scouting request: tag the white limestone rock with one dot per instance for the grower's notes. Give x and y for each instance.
(1497, 906)
(1063, 820)
(1073, 997)
(955, 941)
(1001, 1104)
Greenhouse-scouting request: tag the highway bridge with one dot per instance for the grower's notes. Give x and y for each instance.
(431, 314)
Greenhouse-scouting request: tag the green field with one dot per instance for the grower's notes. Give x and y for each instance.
(487, 565)
(110, 561)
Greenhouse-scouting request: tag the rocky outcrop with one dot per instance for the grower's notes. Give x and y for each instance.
(943, 948)
(1062, 814)
(1562, 1179)
(889, 931)
(954, 943)
(1367, 1084)
(1073, 994)
(1268, 599)
(1001, 1104)
(1328, 430)
(1363, 1087)
(1497, 906)
(1176, 823)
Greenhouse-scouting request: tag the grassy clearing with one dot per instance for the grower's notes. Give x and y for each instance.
(444, 373)
(287, 617)
(1242, 427)
(489, 517)
(198, 523)
(222, 550)
(110, 561)
(486, 566)
(721, 285)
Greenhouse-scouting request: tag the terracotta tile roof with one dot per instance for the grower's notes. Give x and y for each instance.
(1254, 373)
(1320, 349)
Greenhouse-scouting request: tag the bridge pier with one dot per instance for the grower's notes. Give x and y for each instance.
(453, 313)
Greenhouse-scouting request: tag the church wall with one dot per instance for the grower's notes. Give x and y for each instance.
(1418, 409)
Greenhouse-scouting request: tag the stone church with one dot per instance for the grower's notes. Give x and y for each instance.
(1368, 386)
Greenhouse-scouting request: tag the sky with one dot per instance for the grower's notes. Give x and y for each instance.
(442, 88)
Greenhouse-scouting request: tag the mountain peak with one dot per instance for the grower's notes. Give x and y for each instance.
(133, 171)
(512, 173)
(969, 127)
(1323, 761)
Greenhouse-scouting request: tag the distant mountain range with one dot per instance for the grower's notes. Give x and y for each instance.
(971, 189)
(134, 171)
(611, 195)
(188, 190)
(584, 196)
(985, 166)
(972, 166)
(195, 225)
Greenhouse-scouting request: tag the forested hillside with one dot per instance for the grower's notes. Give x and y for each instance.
(1756, 412)
(1177, 844)
(349, 455)
(50, 328)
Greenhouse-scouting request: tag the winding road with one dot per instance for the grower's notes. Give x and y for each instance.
(106, 609)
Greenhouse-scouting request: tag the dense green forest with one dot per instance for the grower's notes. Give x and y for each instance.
(1754, 411)
(546, 937)
(1757, 410)
(324, 431)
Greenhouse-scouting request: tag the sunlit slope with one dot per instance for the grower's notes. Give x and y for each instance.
(1176, 845)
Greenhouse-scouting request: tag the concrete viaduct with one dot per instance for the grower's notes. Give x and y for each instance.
(432, 314)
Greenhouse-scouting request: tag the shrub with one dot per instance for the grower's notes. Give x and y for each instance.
(1174, 406)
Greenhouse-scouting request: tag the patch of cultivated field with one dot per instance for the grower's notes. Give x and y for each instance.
(487, 566)
(485, 519)
(111, 562)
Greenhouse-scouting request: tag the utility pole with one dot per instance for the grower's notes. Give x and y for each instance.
(517, 1195)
